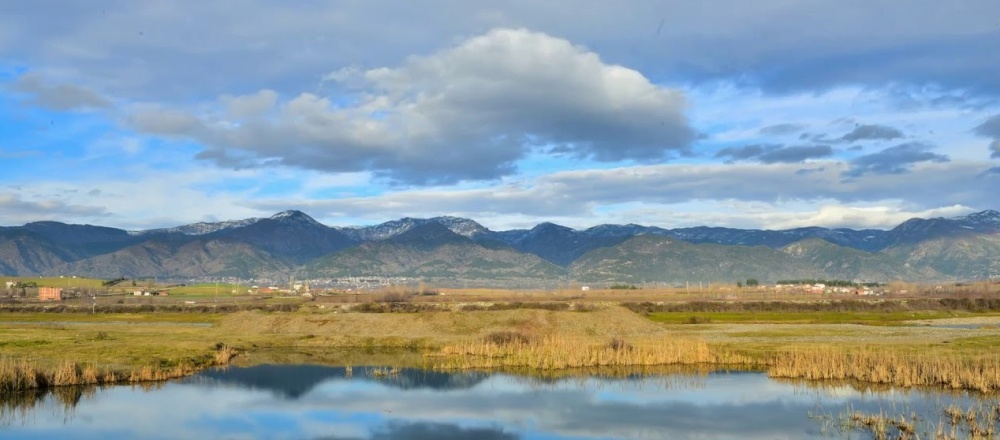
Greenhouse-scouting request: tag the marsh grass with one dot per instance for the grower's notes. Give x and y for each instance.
(979, 421)
(18, 375)
(886, 366)
(557, 353)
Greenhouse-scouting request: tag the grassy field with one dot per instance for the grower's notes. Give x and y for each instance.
(816, 344)
(64, 282)
(208, 290)
(818, 317)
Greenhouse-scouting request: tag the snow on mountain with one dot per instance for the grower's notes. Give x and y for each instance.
(200, 228)
(984, 218)
(383, 231)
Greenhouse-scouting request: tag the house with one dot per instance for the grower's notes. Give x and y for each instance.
(49, 294)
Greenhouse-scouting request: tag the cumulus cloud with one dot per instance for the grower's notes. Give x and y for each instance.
(872, 132)
(59, 97)
(775, 153)
(894, 160)
(465, 113)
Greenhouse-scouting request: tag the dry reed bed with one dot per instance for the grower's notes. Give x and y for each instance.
(555, 353)
(20, 374)
(883, 366)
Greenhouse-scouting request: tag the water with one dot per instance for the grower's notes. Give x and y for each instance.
(317, 402)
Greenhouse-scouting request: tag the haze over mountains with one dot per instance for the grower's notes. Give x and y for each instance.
(451, 249)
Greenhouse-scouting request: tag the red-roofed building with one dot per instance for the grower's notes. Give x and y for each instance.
(49, 294)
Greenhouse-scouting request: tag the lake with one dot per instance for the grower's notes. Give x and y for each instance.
(320, 402)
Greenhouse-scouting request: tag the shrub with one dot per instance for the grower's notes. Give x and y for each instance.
(508, 337)
(618, 344)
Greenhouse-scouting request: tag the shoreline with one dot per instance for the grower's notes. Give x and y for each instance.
(507, 337)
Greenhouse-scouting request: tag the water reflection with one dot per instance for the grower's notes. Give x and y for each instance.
(308, 401)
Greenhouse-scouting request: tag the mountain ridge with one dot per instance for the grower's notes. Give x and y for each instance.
(291, 242)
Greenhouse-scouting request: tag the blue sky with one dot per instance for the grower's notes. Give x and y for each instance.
(139, 114)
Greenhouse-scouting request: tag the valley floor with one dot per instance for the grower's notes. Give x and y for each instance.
(938, 348)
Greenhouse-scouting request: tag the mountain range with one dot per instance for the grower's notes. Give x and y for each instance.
(458, 249)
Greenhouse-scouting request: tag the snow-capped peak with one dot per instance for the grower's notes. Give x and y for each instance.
(988, 217)
(294, 215)
(200, 228)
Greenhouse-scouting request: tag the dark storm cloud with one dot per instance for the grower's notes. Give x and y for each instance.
(775, 153)
(872, 132)
(894, 160)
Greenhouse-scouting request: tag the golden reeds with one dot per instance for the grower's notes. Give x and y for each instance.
(20, 374)
(554, 353)
(980, 372)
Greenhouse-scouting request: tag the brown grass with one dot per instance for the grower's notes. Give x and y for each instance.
(17, 375)
(886, 366)
(557, 353)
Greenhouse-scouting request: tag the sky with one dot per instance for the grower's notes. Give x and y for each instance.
(774, 114)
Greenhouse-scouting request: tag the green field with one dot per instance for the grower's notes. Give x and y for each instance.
(818, 317)
(59, 282)
(210, 290)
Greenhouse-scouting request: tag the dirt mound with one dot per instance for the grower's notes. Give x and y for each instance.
(609, 322)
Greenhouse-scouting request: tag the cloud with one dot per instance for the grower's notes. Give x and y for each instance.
(584, 196)
(465, 113)
(776, 153)
(60, 97)
(16, 210)
(161, 121)
(989, 128)
(781, 129)
(894, 160)
(882, 217)
(205, 49)
(872, 132)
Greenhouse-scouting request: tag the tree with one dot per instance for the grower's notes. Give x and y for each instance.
(739, 284)
(751, 282)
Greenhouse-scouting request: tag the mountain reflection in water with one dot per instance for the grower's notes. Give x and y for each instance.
(318, 402)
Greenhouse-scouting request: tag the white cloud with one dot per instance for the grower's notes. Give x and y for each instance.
(588, 197)
(465, 113)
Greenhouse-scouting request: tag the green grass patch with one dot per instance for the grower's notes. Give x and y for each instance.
(65, 282)
(112, 318)
(210, 290)
(819, 317)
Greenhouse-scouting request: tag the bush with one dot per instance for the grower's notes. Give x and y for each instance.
(508, 337)
(394, 297)
(618, 344)
(698, 320)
